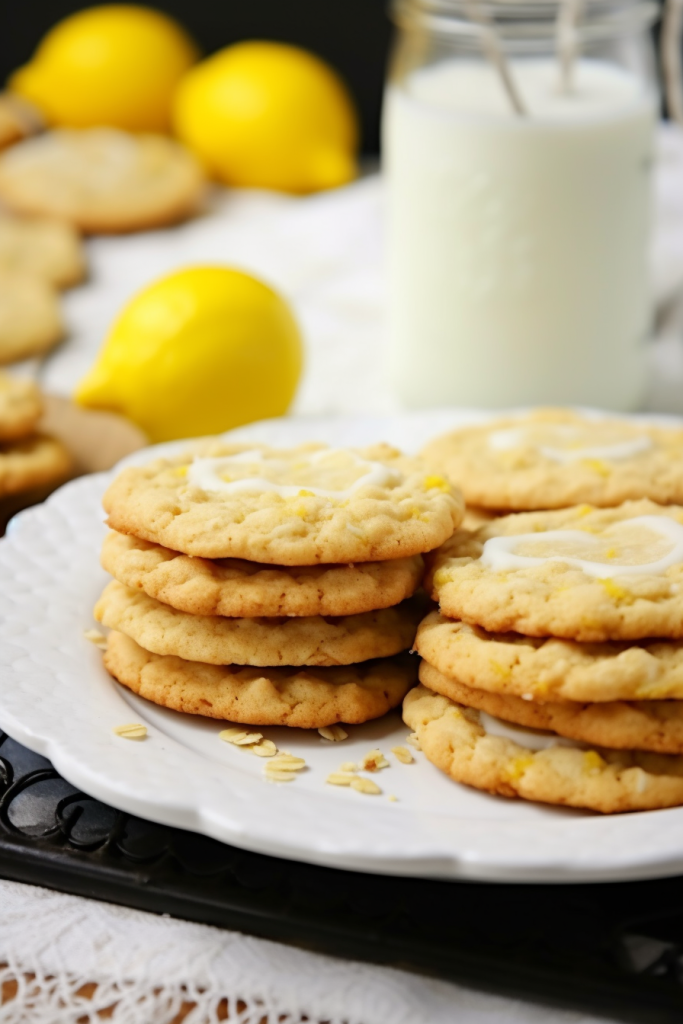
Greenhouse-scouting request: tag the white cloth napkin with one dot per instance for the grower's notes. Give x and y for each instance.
(150, 966)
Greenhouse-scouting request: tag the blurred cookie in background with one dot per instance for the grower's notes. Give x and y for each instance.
(102, 180)
(32, 462)
(18, 119)
(49, 249)
(45, 440)
(30, 317)
(21, 406)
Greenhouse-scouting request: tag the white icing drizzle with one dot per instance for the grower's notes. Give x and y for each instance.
(206, 473)
(516, 437)
(499, 552)
(605, 452)
(531, 739)
(506, 440)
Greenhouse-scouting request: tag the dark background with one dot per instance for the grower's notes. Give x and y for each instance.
(353, 35)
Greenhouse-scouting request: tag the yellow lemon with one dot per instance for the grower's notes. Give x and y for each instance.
(198, 352)
(117, 65)
(268, 115)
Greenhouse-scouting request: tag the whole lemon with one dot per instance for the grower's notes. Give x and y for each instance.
(116, 65)
(198, 352)
(269, 115)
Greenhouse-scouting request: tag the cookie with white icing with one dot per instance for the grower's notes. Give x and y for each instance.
(554, 458)
(579, 573)
(300, 506)
(489, 754)
(304, 698)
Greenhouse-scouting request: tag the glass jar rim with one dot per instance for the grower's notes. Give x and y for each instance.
(600, 18)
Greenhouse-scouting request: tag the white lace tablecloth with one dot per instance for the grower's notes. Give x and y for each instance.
(151, 967)
(324, 253)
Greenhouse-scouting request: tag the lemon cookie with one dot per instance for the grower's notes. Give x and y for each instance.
(260, 641)
(553, 458)
(550, 669)
(480, 751)
(18, 118)
(306, 698)
(48, 249)
(234, 587)
(655, 725)
(30, 317)
(102, 180)
(579, 573)
(301, 506)
(20, 407)
(32, 462)
(476, 517)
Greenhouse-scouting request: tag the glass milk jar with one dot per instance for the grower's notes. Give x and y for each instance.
(517, 146)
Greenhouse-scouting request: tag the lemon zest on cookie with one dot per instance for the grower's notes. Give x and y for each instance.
(593, 763)
(442, 577)
(504, 671)
(616, 592)
(180, 471)
(436, 482)
(515, 768)
(598, 466)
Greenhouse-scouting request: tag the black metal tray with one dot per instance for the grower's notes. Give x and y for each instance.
(615, 949)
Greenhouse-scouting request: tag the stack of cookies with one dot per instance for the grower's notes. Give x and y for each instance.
(553, 669)
(38, 258)
(31, 464)
(60, 184)
(271, 587)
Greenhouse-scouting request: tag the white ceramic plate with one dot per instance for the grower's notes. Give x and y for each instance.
(56, 698)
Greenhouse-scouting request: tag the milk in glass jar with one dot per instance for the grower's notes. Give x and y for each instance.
(517, 145)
